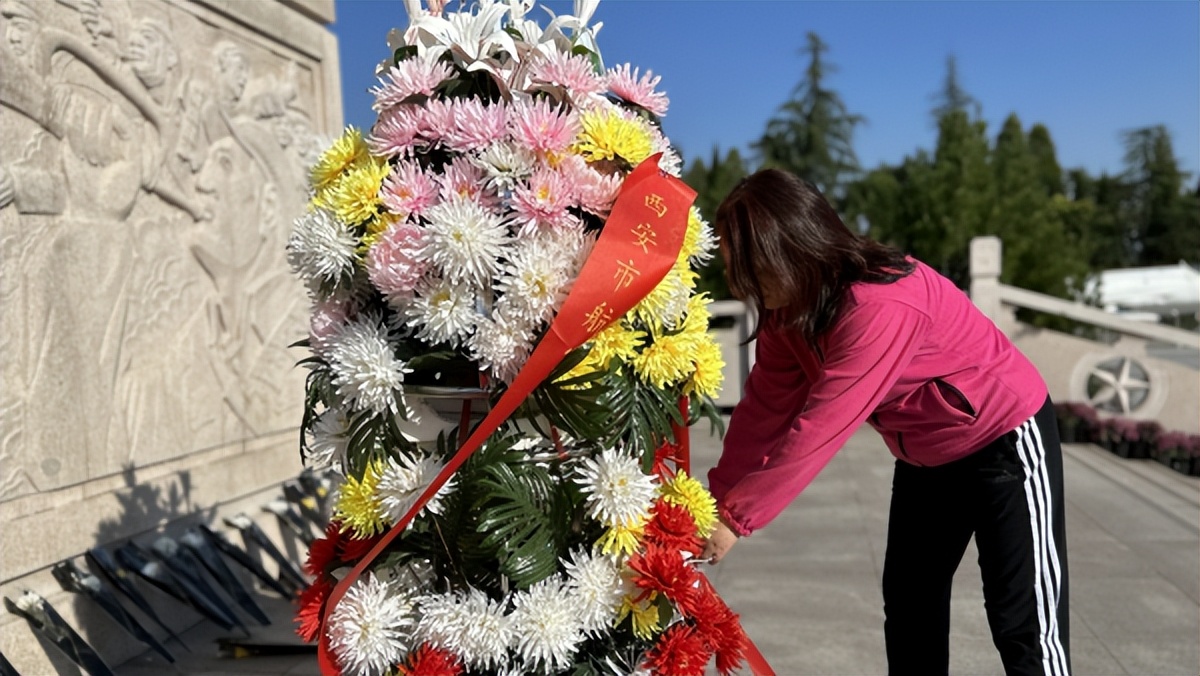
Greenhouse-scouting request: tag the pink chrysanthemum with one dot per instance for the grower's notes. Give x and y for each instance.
(396, 263)
(438, 120)
(463, 179)
(625, 83)
(408, 78)
(476, 125)
(327, 317)
(408, 191)
(541, 128)
(397, 131)
(595, 192)
(571, 72)
(543, 201)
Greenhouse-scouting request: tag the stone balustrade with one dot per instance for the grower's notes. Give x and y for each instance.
(1143, 372)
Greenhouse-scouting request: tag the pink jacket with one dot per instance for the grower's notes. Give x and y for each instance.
(915, 359)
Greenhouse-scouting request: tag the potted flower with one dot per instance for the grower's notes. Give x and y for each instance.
(1170, 446)
(1089, 423)
(1123, 437)
(1148, 433)
(1075, 420)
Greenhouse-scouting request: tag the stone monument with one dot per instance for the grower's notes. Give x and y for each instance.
(152, 158)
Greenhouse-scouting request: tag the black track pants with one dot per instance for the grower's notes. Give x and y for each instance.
(1009, 495)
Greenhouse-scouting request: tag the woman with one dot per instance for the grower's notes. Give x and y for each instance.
(852, 331)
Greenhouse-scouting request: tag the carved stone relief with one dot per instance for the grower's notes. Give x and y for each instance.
(150, 166)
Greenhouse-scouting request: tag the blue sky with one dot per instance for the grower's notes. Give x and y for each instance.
(1085, 69)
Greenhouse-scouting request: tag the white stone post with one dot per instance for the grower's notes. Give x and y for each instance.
(985, 276)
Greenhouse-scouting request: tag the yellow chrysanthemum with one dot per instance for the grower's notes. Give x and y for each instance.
(608, 136)
(621, 540)
(666, 303)
(698, 315)
(645, 615)
(358, 506)
(709, 374)
(354, 197)
(685, 491)
(617, 341)
(667, 361)
(345, 152)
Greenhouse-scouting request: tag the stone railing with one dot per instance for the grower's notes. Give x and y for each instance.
(739, 357)
(1146, 372)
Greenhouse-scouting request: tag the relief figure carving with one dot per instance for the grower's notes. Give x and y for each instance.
(144, 206)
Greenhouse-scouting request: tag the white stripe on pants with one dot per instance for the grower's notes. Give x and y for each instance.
(1048, 572)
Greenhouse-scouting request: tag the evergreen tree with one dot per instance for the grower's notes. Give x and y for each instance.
(712, 182)
(952, 97)
(1049, 173)
(1038, 252)
(812, 134)
(1163, 219)
(961, 195)
(896, 202)
(1116, 241)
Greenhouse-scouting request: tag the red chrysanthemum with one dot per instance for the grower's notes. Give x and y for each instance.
(323, 551)
(678, 652)
(673, 527)
(666, 452)
(351, 549)
(664, 570)
(719, 628)
(430, 661)
(312, 608)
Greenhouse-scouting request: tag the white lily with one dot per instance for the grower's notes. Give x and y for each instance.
(581, 33)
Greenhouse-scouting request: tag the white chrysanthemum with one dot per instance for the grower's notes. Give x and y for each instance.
(506, 165)
(579, 244)
(675, 300)
(501, 343)
(595, 583)
(546, 625)
(442, 312)
(618, 493)
(330, 439)
(670, 161)
(366, 372)
(706, 245)
(473, 627)
(403, 481)
(368, 630)
(321, 249)
(465, 241)
(537, 277)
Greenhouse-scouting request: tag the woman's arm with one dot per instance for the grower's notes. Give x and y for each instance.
(867, 351)
(772, 397)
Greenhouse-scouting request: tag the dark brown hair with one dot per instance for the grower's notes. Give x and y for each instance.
(780, 230)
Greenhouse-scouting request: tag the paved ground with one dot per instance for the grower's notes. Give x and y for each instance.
(808, 586)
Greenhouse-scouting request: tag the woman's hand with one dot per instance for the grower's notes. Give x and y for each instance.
(719, 543)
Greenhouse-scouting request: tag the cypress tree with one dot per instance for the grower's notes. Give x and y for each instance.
(812, 135)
